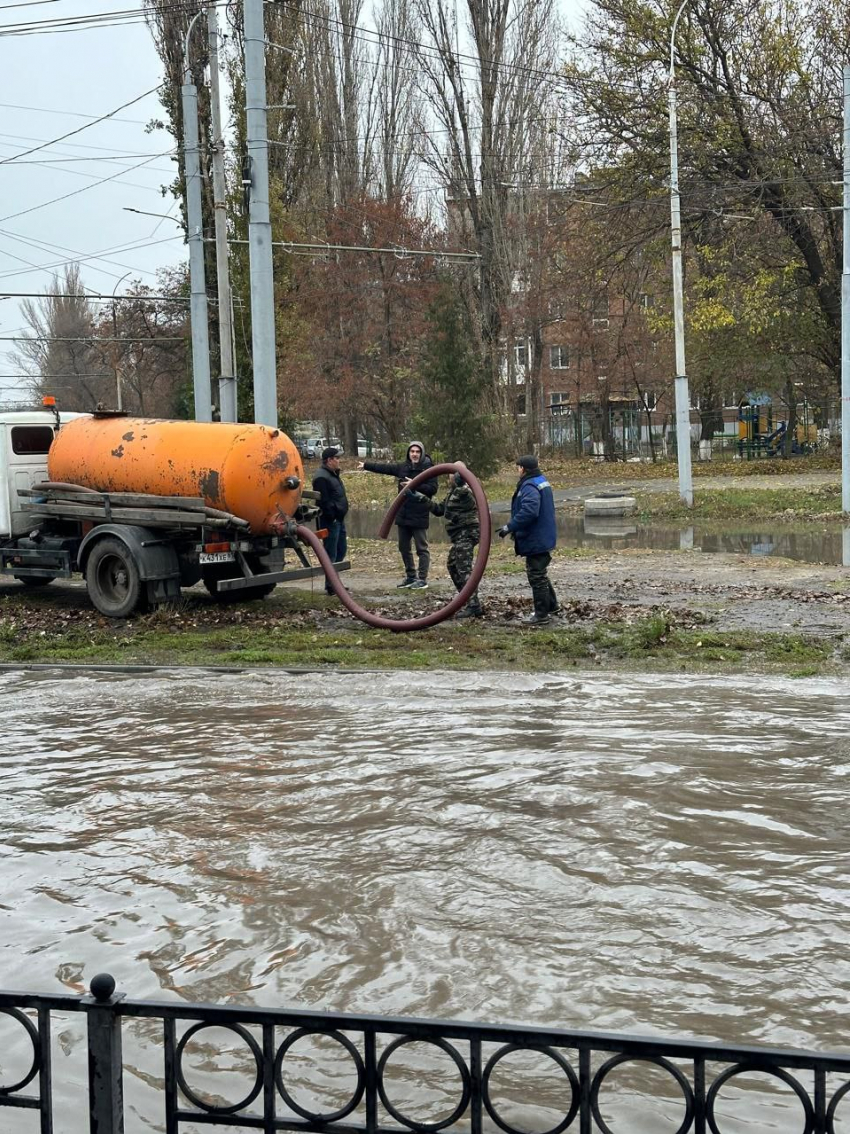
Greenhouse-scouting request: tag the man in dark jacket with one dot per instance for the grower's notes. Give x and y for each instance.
(464, 531)
(413, 516)
(333, 507)
(532, 525)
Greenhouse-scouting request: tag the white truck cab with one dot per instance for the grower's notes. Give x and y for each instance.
(25, 437)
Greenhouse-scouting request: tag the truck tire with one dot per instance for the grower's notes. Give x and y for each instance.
(211, 575)
(35, 580)
(113, 581)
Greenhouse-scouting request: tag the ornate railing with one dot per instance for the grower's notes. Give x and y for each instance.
(815, 1083)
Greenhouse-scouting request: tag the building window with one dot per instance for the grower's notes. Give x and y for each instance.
(646, 301)
(650, 400)
(559, 357)
(558, 402)
(600, 311)
(520, 404)
(521, 354)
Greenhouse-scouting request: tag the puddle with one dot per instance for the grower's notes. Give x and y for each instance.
(805, 544)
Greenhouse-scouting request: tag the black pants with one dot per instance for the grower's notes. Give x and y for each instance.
(419, 536)
(545, 599)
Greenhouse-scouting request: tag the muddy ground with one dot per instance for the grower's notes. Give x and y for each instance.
(733, 592)
(730, 592)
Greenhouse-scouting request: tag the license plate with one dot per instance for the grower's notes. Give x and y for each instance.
(217, 557)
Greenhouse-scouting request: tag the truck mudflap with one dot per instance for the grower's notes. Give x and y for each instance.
(154, 558)
(275, 577)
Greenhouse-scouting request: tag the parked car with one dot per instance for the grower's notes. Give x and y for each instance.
(371, 449)
(312, 447)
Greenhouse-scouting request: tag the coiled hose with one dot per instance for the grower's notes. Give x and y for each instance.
(306, 535)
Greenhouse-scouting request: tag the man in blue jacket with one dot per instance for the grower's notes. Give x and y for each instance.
(532, 525)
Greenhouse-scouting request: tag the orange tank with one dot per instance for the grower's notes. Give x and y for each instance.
(242, 469)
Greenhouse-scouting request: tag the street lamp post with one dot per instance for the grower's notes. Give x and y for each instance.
(116, 347)
(255, 179)
(227, 378)
(845, 309)
(195, 236)
(683, 401)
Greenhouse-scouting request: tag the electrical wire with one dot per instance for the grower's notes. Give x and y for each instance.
(74, 192)
(56, 249)
(95, 256)
(65, 113)
(79, 130)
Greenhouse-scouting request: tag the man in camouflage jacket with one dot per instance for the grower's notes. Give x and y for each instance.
(462, 528)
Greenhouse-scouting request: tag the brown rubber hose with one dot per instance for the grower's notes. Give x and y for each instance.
(306, 535)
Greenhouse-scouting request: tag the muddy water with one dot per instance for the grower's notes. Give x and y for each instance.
(644, 854)
(805, 544)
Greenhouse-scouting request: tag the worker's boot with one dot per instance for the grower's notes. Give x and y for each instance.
(536, 619)
(472, 609)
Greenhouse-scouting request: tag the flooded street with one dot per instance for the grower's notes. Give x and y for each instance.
(658, 855)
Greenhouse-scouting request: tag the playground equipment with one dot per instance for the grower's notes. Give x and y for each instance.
(760, 435)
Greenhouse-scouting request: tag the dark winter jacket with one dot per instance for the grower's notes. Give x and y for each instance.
(414, 513)
(333, 502)
(533, 515)
(459, 509)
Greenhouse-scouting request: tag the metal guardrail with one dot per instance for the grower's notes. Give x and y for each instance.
(698, 1069)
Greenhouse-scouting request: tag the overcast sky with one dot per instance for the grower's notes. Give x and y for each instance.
(50, 84)
(53, 83)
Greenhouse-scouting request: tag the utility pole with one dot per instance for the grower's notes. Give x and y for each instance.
(683, 401)
(227, 379)
(116, 348)
(195, 237)
(845, 326)
(255, 179)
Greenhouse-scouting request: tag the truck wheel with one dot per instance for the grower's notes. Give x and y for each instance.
(211, 576)
(35, 580)
(113, 581)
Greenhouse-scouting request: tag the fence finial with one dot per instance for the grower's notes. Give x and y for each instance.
(102, 986)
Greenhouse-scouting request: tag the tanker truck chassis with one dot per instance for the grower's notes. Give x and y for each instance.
(135, 550)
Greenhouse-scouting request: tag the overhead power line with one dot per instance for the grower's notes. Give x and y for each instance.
(398, 250)
(81, 259)
(115, 18)
(65, 113)
(92, 298)
(79, 129)
(94, 339)
(27, 4)
(74, 192)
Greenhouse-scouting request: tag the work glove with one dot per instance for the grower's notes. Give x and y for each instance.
(504, 530)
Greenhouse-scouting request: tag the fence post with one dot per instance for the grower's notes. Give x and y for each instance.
(106, 1092)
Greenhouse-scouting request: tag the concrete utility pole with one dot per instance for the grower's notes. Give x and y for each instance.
(845, 310)
(256, 181)
(116, 348)
(683, 400)
(195, 235)
(227, 379)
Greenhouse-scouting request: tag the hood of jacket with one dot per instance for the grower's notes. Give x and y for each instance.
(422, 450)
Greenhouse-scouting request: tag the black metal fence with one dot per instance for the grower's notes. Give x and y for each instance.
(815, 1082)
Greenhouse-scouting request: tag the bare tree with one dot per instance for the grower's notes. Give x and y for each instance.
(488, 86)
(59, 354)
(397, 101)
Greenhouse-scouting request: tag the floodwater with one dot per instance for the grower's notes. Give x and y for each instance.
(648, 854)
(805, 544)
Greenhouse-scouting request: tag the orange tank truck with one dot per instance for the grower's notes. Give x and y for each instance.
(242, 469)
